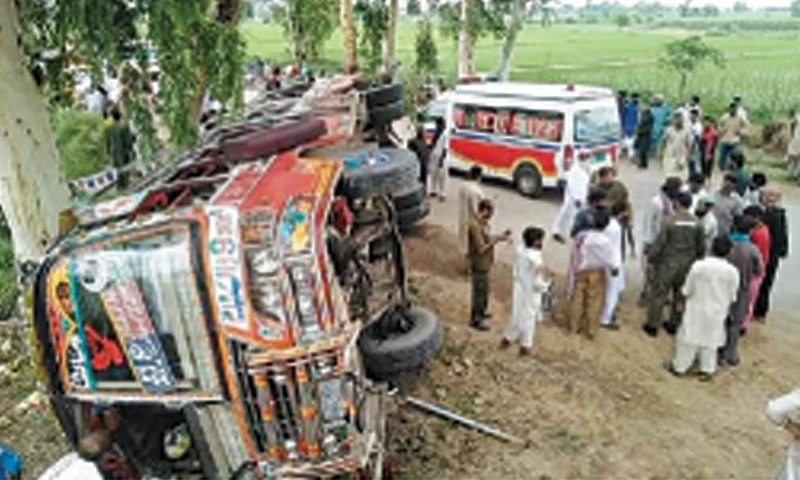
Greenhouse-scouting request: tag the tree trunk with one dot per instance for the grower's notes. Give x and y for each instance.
(348, 20)
(465, 50)
(293, 17)
(517, 19)
(390, 38)
(33, 191)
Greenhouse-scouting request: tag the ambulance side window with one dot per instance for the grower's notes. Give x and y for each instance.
(537, 125)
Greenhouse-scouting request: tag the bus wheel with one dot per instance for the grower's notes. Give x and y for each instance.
(528, 181)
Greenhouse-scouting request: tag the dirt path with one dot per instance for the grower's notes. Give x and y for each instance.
(602, 409)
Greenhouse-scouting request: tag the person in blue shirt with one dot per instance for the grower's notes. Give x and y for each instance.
(10, 464)
(662, 115)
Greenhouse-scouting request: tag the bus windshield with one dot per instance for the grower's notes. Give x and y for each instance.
(126, 313)
(597, 124)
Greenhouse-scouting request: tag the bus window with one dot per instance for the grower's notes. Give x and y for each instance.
(599, 124)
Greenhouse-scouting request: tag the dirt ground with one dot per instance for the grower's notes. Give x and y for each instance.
(589, 409)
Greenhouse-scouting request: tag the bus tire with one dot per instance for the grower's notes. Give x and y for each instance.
(528, 181)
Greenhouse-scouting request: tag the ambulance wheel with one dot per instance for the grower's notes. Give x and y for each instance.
(403, 340)
(528, 181)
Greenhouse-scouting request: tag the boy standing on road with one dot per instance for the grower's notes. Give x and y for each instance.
(531, 280)
(594, 259)
(481, 255)
(616, 285)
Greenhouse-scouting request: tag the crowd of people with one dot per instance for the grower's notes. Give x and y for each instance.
(683, 139)
(709, 259)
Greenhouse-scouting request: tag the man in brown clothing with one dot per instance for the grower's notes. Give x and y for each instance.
(481, 256)
(732, 127)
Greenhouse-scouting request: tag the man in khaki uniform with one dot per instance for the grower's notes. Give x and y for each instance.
(732, 127)
(679, 244)
(481, 256)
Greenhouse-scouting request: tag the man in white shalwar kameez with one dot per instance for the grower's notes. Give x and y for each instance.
(615, 284)
(575, 193)
(469, 195)
(710, 289)
(784, 411)
(531, 280)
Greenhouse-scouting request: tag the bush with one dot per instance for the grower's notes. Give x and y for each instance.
(8, 278)
(80, 139)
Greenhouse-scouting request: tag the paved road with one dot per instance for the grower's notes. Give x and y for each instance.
(516, 212)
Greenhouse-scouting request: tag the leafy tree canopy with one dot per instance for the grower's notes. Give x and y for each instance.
(196, 44)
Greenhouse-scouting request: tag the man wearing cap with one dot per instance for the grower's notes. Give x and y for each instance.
(679, 244)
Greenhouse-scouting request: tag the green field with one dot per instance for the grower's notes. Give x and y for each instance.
(762, 67)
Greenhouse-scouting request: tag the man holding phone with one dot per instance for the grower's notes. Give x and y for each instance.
(481, 245)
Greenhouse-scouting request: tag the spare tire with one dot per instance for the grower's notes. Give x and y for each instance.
(386, 171)
(384, 95)
(387, 355)
(407, 218)
(409, 198)
(385, 115)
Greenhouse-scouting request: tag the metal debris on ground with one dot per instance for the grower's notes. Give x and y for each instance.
(464, 421)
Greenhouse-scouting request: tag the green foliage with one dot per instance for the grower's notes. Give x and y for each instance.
(622, 20)
(81, 142)
(197, 43)
(482, 19)
(685, 55)
(761, 68)
(710, 10)
(744, 25)
(427, 61)
(8, 277)
(796, 8)
(740, 7)
(307, 24)
(374, 18)
(413, 7)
